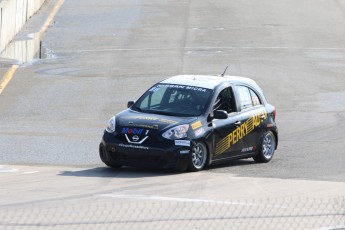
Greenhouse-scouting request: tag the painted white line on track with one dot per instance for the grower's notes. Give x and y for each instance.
(3, 169)
(177, 48)
(30, 172)
(6, 170)
(338, 227)
(266, 48)
(178, 199)
(195, 49)
(125, 49)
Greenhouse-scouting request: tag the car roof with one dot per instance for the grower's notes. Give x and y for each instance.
(206, 81)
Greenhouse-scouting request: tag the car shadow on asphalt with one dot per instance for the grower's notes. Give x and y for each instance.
(124, 172)
(232, 163)
(130, 172)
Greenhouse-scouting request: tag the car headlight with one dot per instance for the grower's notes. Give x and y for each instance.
(176, 132)
(111, 125)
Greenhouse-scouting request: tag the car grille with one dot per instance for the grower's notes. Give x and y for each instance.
(149, 140)
(141, 157)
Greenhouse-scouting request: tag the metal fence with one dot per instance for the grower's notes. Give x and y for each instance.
(118, 212)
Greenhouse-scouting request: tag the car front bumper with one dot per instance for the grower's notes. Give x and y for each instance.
(163, 154)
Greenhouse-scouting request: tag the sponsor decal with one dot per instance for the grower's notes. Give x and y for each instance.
(196, 125)
(155, 119)
(167, 121)
(240, 132)
(199, 132)
(184, 152)
(182, 143)
(248, 149)
(181, 87)
(155, 88)
(146, 118)
(134, 146)
(133, 131)
(145, 126)
(196, 88)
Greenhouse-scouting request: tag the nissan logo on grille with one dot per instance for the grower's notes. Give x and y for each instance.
(135, 138)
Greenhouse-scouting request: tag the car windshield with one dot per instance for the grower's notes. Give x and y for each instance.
(174, 100)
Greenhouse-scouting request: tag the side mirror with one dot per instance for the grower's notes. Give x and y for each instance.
(220, 114)
(130, 103)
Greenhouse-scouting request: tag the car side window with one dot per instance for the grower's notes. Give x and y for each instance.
(224, 101)
(245, 97)
(248, 98)
(255, 98)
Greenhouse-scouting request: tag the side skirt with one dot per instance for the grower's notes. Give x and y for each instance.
(247, 155)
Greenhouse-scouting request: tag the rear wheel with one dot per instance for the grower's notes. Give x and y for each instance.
(267, 148)
(198, 157)
(106, 158)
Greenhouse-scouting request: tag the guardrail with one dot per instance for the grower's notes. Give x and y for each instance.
(13, 15)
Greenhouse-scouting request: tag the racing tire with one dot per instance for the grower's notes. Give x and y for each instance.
(106, 158)
(267, 148)
(197, 157)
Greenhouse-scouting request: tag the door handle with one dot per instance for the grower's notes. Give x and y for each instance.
(238, 123)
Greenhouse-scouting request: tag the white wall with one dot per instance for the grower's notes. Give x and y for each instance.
(13, 15)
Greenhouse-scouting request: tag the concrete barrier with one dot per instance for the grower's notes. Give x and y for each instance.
(13, 15)
(23, 51)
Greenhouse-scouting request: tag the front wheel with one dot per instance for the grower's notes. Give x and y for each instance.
(268, 146)
(198, 157)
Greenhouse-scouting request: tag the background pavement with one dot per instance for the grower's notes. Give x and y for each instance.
(104, 53)
(100, 54)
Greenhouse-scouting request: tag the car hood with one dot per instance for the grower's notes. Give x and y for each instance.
(131, 118)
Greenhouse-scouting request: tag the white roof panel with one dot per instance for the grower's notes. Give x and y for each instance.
(204, 81)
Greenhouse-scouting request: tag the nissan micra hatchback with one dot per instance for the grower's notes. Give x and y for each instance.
(190, 121)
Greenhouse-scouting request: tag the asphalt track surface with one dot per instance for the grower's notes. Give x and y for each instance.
(104, 53)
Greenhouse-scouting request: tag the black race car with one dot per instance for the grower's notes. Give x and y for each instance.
(187, 122)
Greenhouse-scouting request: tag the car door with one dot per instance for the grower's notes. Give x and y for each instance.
(226, 141)
(253, 115)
